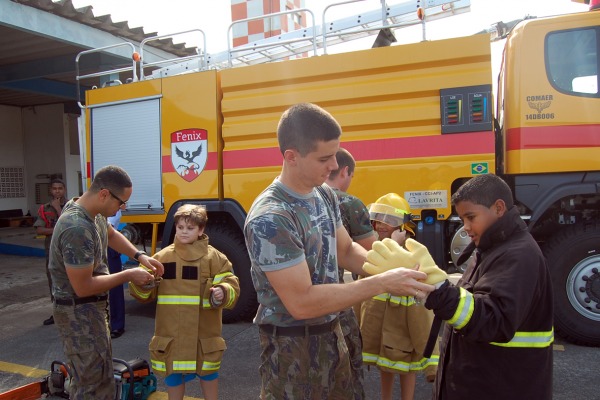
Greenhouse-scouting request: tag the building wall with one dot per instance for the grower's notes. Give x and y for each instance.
(251, 31)
(12, 160)
(44, 149)
(36, 143)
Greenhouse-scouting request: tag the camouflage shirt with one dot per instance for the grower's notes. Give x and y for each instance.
(355, 218)
(47, 218)
(284, 228)
(79, 240)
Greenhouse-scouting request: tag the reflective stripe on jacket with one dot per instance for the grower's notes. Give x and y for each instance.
(497, 340)
(187, 336)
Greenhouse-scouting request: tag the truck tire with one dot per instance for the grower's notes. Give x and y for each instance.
(573, 257)
(133, 233)
(230, 242)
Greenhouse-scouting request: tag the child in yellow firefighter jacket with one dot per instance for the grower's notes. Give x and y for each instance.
(197, 284)
(395, 329)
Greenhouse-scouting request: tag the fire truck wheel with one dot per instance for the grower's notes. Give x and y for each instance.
(573, 257)
(230, 241)
(132, 233)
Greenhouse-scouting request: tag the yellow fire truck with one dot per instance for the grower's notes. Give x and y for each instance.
(420, 119)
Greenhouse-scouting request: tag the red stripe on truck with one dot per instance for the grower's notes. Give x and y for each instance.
(553, 137)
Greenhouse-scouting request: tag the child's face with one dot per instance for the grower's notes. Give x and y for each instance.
(384, 230)
(478, 218)
(186, 232)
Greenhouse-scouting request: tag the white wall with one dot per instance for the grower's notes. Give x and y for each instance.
(11, 152)
(43, 133)
(43, 140)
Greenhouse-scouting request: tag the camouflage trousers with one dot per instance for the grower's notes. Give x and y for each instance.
(313, 367)
(47, 251)
(86, 343)
(351, 331)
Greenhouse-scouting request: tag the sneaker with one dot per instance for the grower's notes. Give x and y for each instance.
(49, 321)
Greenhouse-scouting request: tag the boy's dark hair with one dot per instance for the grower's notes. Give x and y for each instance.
(111, 177)
(344, 159)
(192, 213)
(484, 190)
(58, 181)
(303, 125)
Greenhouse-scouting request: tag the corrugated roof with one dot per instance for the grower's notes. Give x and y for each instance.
(40, 40)
(85, 15)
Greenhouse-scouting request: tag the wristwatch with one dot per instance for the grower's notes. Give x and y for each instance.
(137, 255)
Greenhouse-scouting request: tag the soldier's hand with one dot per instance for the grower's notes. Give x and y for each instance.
(406, 282)
(152, 264)
(140, 276)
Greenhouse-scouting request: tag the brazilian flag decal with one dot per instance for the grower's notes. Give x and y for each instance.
(479, 168)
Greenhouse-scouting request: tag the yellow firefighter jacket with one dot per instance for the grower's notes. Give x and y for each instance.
(187, 335)
(394, 332)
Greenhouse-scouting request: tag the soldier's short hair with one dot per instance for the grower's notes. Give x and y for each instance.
(303, 125)
(344, 159)
(191, 213)
(111, 177)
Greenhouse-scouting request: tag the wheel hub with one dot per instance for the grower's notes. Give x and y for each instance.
(583, 287)
(459, 242)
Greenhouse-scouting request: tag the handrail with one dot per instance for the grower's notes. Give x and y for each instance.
(102, 73)
(401, 15)
(296, 42)
(324, 25)
(251, 47)
(144, 64)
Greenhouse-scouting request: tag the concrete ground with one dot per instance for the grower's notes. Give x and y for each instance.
(28, 348)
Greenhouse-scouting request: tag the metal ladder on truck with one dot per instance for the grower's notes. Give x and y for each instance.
(310, 39)
(286, 45)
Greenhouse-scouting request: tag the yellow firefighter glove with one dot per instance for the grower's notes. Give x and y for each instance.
(384, 255)
(418, 254)
(388, 254)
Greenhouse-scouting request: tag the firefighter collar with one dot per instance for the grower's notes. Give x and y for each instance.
(194, 251)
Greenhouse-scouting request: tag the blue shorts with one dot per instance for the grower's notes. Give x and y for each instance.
(179, 379)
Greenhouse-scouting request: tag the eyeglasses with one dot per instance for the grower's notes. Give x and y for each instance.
(114, 196)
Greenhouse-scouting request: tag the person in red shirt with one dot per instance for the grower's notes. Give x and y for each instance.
(44, 225)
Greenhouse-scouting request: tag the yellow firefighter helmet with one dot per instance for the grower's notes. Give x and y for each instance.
(392, 209)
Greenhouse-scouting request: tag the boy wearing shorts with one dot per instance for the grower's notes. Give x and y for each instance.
(197, 284)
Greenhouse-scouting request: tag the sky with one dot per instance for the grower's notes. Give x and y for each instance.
(213, 16)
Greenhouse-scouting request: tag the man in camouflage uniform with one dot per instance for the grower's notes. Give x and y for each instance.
(80, 280)
(44, 225)
(295, 240)
(355, 218)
